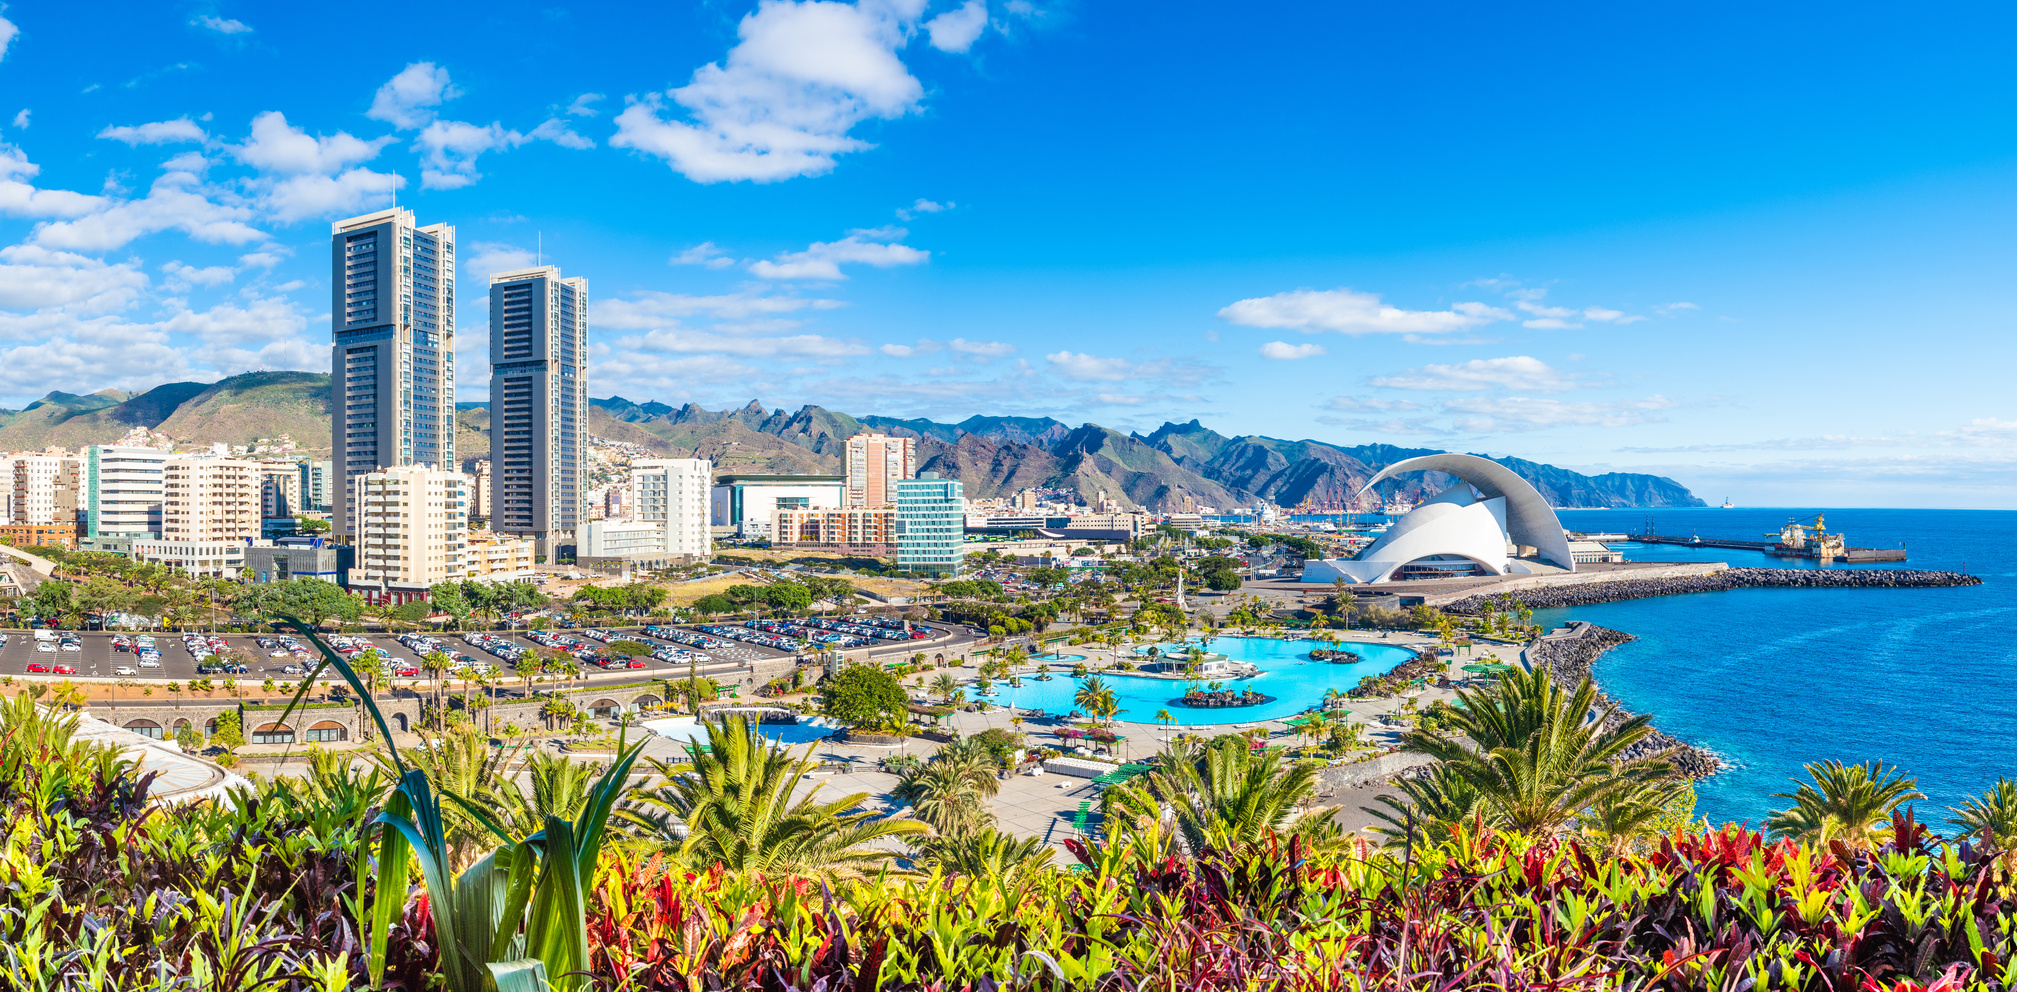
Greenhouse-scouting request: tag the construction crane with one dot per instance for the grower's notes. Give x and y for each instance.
(1812, 538)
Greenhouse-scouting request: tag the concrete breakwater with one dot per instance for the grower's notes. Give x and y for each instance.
(1585, 594)
(1569, 659)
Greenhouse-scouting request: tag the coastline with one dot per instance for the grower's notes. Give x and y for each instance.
(1571, 657)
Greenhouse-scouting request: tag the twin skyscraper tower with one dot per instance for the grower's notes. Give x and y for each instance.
(392, 374)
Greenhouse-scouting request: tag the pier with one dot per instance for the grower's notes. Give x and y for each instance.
(1775, 548)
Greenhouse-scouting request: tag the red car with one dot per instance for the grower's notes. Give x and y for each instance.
(66, 670)
(35, 669)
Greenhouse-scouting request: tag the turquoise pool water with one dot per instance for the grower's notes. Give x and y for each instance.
(1287, 673)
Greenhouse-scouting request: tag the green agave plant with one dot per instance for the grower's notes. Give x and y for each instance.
(513, 921)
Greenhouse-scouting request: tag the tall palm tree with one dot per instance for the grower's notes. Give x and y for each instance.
(1536, 753)
(1843, 801)
(951, 792)
(1436, 804)
(1221, 795)
(943, 686)
(738, 811)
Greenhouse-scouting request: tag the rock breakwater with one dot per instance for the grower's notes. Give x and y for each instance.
(1569, 660)
(1585, 594)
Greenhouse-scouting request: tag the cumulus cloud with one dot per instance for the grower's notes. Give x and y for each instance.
(584, 105)
(705, 255)
(33, 277)
(560, 133)
(176, 201)
(157, 133)
(1487, 415)
(21, 119)
(310, 176)
(653, 309)
(277, 146)
(925, 346)
(1673, 309)
(1081, 367)
(181, 277)
(1519, 372)
(982, 349)
(407, 101)
(1360, 404)
(823, 259)
(686, 340)
(7, 33)
(800, 77)
(449, 149)
(923, 206)
(19, 198)
(1348, 311)
(1284, 351)
(223, 25)
(482, 259)
(956, 30)
(351, 191)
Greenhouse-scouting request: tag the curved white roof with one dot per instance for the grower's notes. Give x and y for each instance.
(1454, 524)
(1529, 518)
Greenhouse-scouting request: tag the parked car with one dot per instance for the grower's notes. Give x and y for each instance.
(150, 662)
(72, 646)
(48, 646)
(35, 668)
(66, 670)
(123, 670)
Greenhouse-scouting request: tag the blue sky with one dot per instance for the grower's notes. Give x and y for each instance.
(1764, 251)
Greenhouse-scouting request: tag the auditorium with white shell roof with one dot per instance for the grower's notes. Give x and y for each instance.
(1491, 522)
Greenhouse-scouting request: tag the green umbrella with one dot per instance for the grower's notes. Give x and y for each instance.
(1480, 669)
(1298, 721)
(1337, 714)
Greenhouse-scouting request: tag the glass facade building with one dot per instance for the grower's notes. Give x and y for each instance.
(538, 405)
(930, 525)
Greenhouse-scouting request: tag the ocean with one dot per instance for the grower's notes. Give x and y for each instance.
(1770, 679)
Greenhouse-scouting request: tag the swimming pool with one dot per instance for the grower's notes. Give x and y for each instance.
(685, 728)
(1287, 673)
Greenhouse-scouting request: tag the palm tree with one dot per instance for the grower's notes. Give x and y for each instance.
(1436, 805)
(1222, 795)
(988, 853)
(1536, 755)
(951, 792)
(738, 812)
(944, 686)
(1163, 717)
(1843, 801)
(1097, 699)
(1992, 816)
(553, 786)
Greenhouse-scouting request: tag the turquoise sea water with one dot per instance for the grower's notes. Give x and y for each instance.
(1296, 682)
(1772, 678)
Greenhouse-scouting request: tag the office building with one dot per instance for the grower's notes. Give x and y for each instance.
(538, 405)
(874, 465)
(747, 505)
(930, 525)
(207, 500)
(392, 357)
(412, 525)
(296, 558)
(196, 559)
(479, 491)
(674, 493)
(122, 491)
(613, 542)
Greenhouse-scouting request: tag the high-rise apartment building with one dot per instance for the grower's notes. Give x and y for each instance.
(392, 360)
(930, 525)
(479, 491)
(45, 489)
(538, 405)
(674, 492)
(206, 500)
(122, 491)
(318, 488)
(412, 528)
(875, 463)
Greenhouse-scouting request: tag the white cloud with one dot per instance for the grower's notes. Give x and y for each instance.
(1486, 415)
(581, 107)
(276, 146)
(923, 206)
(982, 349)
(557, 131)
(222, 25)
(260, 259)
(1672, 309)
(957, 30)
(157, 133)
(21, 199)
(1284, 351)
(32, 277)
(258, 321)
(1081, 367)
(1359, 404)
(925, 346)
(652, 309)
(7, 33)
(1121, 399)
(1348, 311)
(352, 191)
(783, 101)
(177, 201)
(683, 340)
(1987, 431)
(182, 276)
(407, 100)
(21, 119)
(449, 150)
(186, 162)
(823, 259)
(703, 254)
(482, 259)
(1519, 372)
(1549, 324)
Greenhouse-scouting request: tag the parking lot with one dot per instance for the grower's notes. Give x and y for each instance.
(95, 657)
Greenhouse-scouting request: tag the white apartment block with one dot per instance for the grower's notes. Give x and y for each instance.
(207, 500)
(122, 491)
(412, 528)
(44, 489)
(493, 557)
(211, 559)
(674, 493)
(874, 465)
(280, 493)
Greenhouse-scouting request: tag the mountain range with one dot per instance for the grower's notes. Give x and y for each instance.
(994, 456)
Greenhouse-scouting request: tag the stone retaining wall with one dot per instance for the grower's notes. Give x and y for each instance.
(1522, 584)
(1607, 587)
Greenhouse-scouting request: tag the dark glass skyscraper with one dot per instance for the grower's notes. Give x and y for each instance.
(392, 360)
(538, 405)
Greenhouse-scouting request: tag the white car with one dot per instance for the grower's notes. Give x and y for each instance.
(48, 646)
(123, 670)
(72, 646)
(150, 663)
